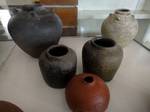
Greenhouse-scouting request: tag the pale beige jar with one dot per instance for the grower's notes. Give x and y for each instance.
(120, 26)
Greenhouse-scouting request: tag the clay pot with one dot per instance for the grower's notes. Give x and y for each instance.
(58, 65)
(102, 56)
(120, 26)
(87, 93)
(34, 29)
(9, 107)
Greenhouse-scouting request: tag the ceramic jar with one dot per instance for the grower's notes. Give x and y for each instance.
(87, 93)
(121, 26)
(6, 106)
(58, 65)
(34, 29)
(102, 56)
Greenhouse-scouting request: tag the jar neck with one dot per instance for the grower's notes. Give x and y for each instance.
(123, 12)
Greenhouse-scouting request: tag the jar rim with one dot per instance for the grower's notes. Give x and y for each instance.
(123, 11)
(102, 42)
(88, 79)
(57, 51)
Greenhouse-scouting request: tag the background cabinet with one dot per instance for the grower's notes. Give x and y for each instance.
(84, 17)
(59, 2)
(67, 11)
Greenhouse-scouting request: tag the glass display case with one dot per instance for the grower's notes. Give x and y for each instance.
(21, 80)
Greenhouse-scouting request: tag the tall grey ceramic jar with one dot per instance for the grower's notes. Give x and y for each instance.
(121, 26)
(102, 56)
(58, 65)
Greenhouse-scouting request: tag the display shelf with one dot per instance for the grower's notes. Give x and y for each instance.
(21, 81)
(102, 14)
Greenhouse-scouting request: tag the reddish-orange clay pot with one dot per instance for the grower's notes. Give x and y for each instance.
(87, 93)
(6, 106)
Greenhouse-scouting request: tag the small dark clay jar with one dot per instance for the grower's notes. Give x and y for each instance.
(87, 93)
(6, 106)
(58, 65)
(102, 56)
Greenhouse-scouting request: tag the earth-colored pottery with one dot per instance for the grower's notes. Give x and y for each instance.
(120, 26)
(9, 107)
(87, 93)
(34, 28)
(58, 65)
(102, 56)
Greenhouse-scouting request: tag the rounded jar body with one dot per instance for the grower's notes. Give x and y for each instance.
(58, 65)
(87, 93)
(120, 26)
(6, 106)
(102, 56)
(34, 29)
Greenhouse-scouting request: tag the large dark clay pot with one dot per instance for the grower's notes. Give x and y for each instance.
(87, 93)
(58, 65)
(34, 29)
(102, 56)
(9, 107)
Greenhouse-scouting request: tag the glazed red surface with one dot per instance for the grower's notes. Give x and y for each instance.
(83, 96)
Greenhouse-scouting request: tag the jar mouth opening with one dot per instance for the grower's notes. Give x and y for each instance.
(88, 79)
(103, 42)
(58, 51)
(123, 11)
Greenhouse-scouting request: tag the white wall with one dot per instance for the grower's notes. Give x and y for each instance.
(143, 5)
(3, 3)
(146, 5)
(107, 4)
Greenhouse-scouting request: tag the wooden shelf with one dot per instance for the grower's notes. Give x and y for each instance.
(102, 14)
(59, 2)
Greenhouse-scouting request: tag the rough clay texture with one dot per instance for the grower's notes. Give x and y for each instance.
(103, 62)
(121, 28)
(57, 71)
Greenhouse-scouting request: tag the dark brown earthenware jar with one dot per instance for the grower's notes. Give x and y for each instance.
(58, 65)
(9, 107)
(34, 29)
(87, 93)
(102, 56)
